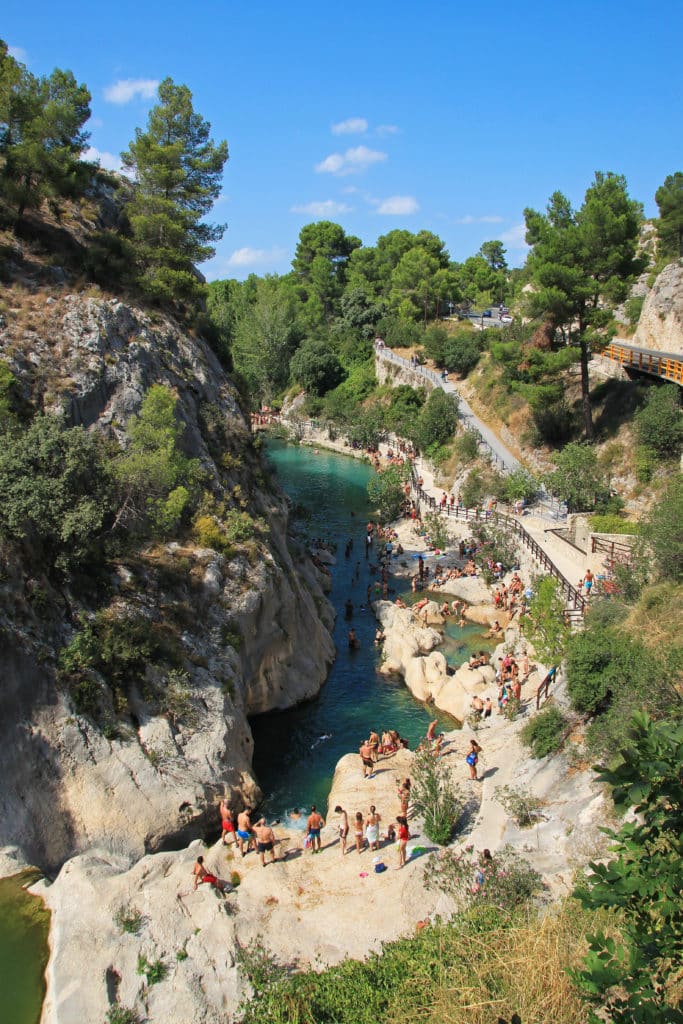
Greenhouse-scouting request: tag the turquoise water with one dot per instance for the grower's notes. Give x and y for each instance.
(293, 763)
(24, 927)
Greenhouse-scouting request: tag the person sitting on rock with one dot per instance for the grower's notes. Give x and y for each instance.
(495, 630)
(201, 874)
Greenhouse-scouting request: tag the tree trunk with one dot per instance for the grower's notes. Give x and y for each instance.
(585, 392)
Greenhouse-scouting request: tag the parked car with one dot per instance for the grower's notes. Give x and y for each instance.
(488, 313)
(506, 318)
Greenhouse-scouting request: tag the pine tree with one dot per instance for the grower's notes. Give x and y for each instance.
(41, 135)
(178, 168)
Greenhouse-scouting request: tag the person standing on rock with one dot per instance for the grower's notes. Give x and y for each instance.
(244, 831)
(315, 823)
(372, 828)
(431, 732)
(227, 823)
(403, 837)
(343, 828)
(265, 841)
(365, 751)
(404, 796)
(358, 832)
(472, 759)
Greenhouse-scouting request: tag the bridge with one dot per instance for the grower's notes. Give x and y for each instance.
(666, 365)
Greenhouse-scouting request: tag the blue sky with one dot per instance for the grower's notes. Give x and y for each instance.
(383, 115)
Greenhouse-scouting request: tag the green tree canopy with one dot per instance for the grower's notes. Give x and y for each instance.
(659, 424)
(178, 170)
(42, 134)
(577, 478)
(319, 265)
(386, 491)
(581, 264)
(55, 491)
(437, 421)
(315, 367)
(669, 199)
(154, 474)
(634, 975)
(265, 337)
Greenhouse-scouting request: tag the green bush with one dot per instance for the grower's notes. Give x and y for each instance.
(467, 447)
(505, 881)
(434, 796)
(128, 919)
(633, 308)
(154, 971)
(56, 492)
(659, 424)
(612, 524)
(543, 733)
(122, 1015)
(461, 352)
(522, 806)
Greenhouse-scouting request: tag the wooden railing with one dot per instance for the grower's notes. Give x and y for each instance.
(544, 689)
(620, 550)
(660, 364)
(574, 600)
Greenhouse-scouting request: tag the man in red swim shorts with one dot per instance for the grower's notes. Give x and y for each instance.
(202, 875)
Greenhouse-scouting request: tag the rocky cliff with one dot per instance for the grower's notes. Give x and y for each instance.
(660, 325)
(249, 629)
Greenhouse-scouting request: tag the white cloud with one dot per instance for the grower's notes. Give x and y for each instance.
(486, 219)
(515, 237)
(387, 129)
(18, 52)
(127, 89)
(109, 161)
(351, 126)
(398, 205)
(351, 162)
(248, 257)
(322, 208)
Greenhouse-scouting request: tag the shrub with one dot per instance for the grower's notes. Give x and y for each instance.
(434, 796)
(522, 806)
(659, 424)
(467, 447)
(437, 529)
(209, 534)
(474, 489)
(543, 733)
(504, 880)
(613, 524)
(461, 352)
(128, 919)
(154, 971)
(122, 1015)
(633, 308)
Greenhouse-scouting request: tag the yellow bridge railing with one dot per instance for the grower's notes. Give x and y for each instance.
(660, 364)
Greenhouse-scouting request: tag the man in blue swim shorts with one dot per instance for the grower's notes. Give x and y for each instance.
(315, 823)
(244, 833)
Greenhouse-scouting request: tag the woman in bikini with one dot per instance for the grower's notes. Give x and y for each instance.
(403, 837)
(372, 828)
(358, 832)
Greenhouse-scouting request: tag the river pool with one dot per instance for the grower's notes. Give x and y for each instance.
(296, 751)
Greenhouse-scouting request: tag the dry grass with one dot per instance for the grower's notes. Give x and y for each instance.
(521, 970)
(657, 619)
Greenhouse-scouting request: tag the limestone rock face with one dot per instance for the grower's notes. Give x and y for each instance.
(409, 651)
(660, 325)
(251, 630)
